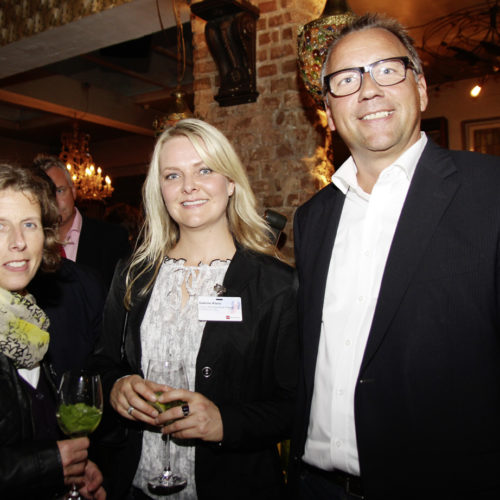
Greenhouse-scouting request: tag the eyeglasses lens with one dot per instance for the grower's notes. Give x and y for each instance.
(385, 73)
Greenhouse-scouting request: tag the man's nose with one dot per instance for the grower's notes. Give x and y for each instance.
(369, 87)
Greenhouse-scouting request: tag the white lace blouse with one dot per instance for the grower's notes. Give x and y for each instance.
(168, 329)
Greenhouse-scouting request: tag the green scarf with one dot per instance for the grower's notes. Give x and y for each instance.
(23, 329)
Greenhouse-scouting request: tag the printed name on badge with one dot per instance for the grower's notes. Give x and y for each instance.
(219, 309)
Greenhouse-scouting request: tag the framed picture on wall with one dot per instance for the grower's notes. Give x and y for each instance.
(437, 130)
(482, 136)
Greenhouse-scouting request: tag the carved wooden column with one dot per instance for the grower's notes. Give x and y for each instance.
(230, 33)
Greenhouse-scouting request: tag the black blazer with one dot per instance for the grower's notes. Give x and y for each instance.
(427, 400)
(73, 299)
(248, 369)
(101, 246)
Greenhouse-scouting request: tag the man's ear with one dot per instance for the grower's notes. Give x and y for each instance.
(329, 116)
(422, 91)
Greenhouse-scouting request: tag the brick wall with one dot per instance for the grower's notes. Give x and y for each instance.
(280, 138)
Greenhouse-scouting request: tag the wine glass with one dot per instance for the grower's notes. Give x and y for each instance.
(169, 372)
(79, 410)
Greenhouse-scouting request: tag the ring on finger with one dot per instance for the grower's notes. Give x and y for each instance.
(130, 410)
(185, 410)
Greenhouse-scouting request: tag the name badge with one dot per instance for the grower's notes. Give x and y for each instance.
(219, 309)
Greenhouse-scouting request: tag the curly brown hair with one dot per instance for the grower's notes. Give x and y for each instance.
(31, 181)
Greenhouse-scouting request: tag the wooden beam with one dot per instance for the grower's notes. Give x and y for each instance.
(119, 24)
(50, 107)
(64, 96)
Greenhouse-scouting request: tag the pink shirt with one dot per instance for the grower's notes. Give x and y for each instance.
(73, 236)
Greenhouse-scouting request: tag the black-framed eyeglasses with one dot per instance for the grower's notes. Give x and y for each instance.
(385, 72)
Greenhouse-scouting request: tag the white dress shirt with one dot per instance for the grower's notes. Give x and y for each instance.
(364, 236)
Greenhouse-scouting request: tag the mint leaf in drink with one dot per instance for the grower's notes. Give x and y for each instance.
(78, 419)
(161, 407)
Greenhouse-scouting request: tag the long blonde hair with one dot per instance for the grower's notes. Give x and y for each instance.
(160, 233)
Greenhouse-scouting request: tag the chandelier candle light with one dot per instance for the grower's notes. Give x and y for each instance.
(89, 181)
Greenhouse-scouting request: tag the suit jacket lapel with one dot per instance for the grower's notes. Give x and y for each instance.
(317, 237)
(433, 187)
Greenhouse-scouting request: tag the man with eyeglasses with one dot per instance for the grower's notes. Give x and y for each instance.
(89, 242)
(399, 295)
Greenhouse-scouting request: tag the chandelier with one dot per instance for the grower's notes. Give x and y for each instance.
(88, 180)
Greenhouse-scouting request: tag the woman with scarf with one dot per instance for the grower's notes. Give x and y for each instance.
(202, 238)
(34, 461)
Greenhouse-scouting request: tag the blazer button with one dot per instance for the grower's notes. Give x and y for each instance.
(206, 371)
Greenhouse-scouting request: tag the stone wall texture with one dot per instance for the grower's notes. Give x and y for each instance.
(23, 18)
(280, 138)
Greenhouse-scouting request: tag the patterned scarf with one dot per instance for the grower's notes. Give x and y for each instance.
(23, 329)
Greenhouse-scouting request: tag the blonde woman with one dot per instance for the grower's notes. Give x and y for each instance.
(202, 237)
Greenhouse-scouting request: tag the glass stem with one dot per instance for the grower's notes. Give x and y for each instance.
(167, 471)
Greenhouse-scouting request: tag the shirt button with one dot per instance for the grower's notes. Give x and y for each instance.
(206, 371)
(340, 392)
(361, 298)
(338, 443)
(347, 342)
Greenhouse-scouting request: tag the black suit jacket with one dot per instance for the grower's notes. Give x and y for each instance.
(101, 246)
(248, 369)
(73, 299)
(427, 400)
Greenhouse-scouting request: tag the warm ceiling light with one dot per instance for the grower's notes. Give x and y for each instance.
(89, 181)
(476, 90)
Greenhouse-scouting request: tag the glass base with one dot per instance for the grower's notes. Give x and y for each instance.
(162, 485)
(73, 494)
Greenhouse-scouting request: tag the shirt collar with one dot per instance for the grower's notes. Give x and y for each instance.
(345, 176)
(77, 222)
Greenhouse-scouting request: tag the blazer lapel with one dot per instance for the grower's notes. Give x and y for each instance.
(317, 237)
(433, 187)
(239, 275)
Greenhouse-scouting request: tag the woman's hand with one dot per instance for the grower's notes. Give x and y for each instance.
(130, 396)
(203, 420)
(74, 459)
(92, 488)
